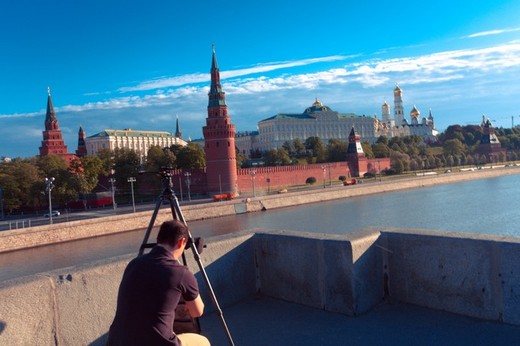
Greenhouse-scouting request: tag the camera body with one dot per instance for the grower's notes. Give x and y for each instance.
(199, 244)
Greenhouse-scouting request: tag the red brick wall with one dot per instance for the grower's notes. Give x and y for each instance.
(284, 176)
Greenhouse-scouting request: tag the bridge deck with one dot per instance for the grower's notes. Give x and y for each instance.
(265, 321)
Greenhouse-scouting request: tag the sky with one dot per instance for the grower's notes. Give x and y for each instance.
(114, 64)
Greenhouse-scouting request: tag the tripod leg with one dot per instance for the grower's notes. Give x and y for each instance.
(202, 270)
(150, 225)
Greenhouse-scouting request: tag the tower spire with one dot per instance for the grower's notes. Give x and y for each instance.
(178, 132)
(51, 122)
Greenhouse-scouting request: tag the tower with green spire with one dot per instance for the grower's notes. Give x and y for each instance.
(219, 139)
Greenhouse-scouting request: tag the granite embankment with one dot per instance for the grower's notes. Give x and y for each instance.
(62, 232)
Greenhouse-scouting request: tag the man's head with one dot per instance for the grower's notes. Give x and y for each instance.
(172, 233)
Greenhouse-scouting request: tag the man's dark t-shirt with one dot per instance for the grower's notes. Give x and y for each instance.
(150, 290)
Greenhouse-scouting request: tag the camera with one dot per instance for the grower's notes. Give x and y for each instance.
(199, 244)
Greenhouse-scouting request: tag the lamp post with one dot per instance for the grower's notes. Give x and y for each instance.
(187, 175)
(330, 178)
(268, 180)
(1, 204)
(252, 173)
(132, 180)
(49, 184)
(112, 181)
(323, 167)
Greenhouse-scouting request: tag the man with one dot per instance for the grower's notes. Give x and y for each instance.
(150, 290)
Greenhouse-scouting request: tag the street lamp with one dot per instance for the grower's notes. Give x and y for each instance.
(252, 173)
(132, 180)
(112, 180)
(49, 184)
(187, 175)
(1, 204)
(268, 180)
(323, 167)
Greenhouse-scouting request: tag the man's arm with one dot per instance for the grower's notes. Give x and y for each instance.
(195, 307)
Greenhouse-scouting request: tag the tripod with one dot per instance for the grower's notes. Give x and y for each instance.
(168, 194)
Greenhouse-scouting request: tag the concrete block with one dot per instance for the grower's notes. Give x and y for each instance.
(86, 299)
(28, 312)
(442, 271)
(367, 269)
(289, 266)
(229, 264)
(508, 277)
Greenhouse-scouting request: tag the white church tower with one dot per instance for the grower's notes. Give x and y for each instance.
(398, 106)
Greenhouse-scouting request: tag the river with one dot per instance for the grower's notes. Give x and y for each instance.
(484, 206)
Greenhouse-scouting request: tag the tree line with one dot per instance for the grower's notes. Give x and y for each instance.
(22, 180)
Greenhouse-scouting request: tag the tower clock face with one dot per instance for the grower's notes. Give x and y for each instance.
(359, 148)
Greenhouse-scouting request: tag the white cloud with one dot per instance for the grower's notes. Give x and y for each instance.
(204, 77)
(492, 32)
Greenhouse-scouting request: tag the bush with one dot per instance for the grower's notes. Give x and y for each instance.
(342, 178)
(310, 180)
(369, 175)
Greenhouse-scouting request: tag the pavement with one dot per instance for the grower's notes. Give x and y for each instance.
(265, 321)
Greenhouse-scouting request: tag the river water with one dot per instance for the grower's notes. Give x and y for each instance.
(485, 206)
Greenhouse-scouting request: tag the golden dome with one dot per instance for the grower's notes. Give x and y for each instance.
(317, 103)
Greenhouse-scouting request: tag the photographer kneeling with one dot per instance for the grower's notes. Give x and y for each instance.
(150, 291)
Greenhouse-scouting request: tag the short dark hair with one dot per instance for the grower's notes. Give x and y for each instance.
(171, 232)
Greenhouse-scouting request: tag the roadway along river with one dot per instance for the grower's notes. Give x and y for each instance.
(486, 206)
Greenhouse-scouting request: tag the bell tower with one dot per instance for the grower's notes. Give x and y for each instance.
(219, 139)
(398, 106)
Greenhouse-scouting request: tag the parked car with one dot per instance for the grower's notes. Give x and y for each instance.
(54, 213)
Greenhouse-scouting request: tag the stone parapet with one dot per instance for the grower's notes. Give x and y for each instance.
(470, 275)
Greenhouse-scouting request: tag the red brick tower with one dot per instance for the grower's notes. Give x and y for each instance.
(219, 137)
(356, 160)
(82, 148)
(52, 143)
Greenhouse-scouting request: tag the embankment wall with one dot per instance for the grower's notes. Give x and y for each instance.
(67, 231)
(473, 275)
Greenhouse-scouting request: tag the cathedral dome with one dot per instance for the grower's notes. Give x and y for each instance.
(415, 112)
(317, 106)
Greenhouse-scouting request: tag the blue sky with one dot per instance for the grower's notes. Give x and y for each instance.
(136, 64)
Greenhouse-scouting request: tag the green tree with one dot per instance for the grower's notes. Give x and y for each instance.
(85, 173)
(158, 157)
(380, 150)
(66, 185)
(191, 156)
(299, 147)
(399, 162)
(453, 147)
(336, 150)
(367, 149)
(277, 157)
(20, 180)
(127, 164)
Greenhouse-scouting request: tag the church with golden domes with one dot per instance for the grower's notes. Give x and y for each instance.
(399, 126)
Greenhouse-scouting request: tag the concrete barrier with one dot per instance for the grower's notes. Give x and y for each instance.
(471, 275)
